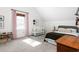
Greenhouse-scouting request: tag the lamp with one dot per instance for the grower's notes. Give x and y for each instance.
(77, 12)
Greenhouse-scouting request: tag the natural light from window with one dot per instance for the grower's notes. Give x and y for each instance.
(32, 42)
(20, 23)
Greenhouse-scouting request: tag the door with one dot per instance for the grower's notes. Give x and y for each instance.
(20, 26)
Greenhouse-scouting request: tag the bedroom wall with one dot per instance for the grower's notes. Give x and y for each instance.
(54, 16)
(6, 12)
(46, 16)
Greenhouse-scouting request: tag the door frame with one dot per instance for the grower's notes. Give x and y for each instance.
(14, 31)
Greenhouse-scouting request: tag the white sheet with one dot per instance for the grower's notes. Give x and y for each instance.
(51, 41)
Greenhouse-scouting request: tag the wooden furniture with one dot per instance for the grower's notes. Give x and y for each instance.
(10, 35)
(68, 44)
(3, 38)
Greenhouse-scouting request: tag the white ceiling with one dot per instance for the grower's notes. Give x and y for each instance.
(57, 13)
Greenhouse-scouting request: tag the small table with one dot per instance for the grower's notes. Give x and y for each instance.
(3, 38)
(68, 43)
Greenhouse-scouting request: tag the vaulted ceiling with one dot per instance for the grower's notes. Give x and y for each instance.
(57, 13)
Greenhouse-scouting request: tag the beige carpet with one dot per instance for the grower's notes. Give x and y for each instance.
(31, 44)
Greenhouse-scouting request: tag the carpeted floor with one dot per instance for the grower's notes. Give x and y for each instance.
(31, 44)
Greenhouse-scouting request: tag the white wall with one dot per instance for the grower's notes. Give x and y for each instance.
(54, 16)
(6, 12)
(47, 16)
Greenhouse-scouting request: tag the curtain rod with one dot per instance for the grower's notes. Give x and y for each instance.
(19, 11)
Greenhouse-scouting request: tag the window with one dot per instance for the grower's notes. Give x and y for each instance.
(20, 22)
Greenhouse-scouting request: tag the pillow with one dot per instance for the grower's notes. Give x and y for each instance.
(73, 30)
(67, 30)
(61, 30)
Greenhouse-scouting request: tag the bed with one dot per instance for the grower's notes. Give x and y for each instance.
(62, 30)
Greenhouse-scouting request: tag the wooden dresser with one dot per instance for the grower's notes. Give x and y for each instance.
(68, 43)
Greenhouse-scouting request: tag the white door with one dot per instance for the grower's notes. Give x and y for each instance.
(20, 26)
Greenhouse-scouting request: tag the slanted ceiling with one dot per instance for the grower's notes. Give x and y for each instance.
(57, 13)
(55, 16)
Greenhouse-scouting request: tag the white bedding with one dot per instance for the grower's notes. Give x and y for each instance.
(75, 34)
(51, 41)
